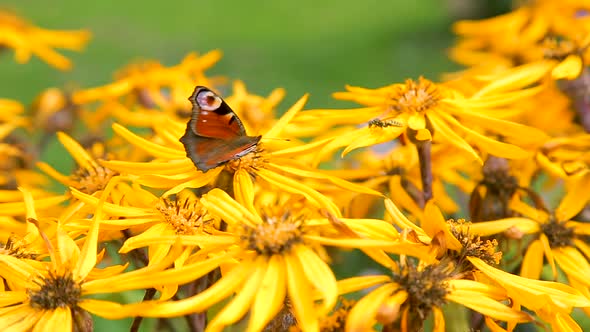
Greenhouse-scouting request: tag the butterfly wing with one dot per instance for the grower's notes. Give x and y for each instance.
(212, 117)
(215, 134)
(208, 153)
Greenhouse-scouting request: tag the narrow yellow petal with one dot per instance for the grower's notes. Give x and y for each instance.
(280, 125)
(83, 159)
(576, 198)
(113, 209)
(568, 69)
(21, 317)
(434, 222)
(296, 187)
(354, 284)
(59, 320)
(152, 148)
(439, 320)
(8, 298)
(573, 263)
(240, 304)
(271, 294)
(362, 316)
(400, 219)
(199, 181)
(516, 78)
(447, 134)
(487, 228)
(244, 189)
(335, 180)
(319, 274)
(219, 203)
(483, 304)
(494, 147)
(301, 296)
(55, 174)
(532, 263)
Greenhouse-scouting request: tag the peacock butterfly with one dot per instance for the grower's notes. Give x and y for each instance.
(214, 135)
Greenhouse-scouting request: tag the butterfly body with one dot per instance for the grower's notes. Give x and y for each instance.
(214, 135)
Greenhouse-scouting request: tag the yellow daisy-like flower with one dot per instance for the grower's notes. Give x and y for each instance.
(27, 39)
(48, 295)
(271, 164)
(279, 254)
(90, 177)
(455, 242)
(425, 111)
(556, 237)
(150, 216)
(412, 292)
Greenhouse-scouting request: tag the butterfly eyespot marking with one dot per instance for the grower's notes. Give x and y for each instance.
(208, 101)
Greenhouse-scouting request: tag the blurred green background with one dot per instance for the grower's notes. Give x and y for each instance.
(303, 46)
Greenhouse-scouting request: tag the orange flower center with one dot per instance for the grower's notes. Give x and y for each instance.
(416, 96)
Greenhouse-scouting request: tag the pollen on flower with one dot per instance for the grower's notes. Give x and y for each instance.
(278, 232)
(474, 246)
(558, 234)
(187, 217)
(415, 96)
(426, 287)
(55, 291)
(16, 247)
(251, 161)
(92, 180)
(559, 49)
(335, 322)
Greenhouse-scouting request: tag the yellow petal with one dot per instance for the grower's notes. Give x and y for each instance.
(532, 263)
(483, 304)
(280, 125)
(240, 304)
(219, 203)
(354, 284)
(362, 316)
(244, 189)
(292, 186)
(576, 198)
(152, 148)
(317, 175)
(301, 296)
(270, 296)
(319, 274)
(83, 159)
(568, 69)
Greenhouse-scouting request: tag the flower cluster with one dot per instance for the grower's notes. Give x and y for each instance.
(224, 212)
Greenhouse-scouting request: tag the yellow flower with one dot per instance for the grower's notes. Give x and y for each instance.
(142, 92)
(27, 39)
(413, 291)
(270, 164)
(279, 252)
(49, 295)
(425, 111)
(551, 301)
(256, 112)
(569, 158)
(556, 237)
(90, 177)
(524, 40)
(149, 216)
(396, 173)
